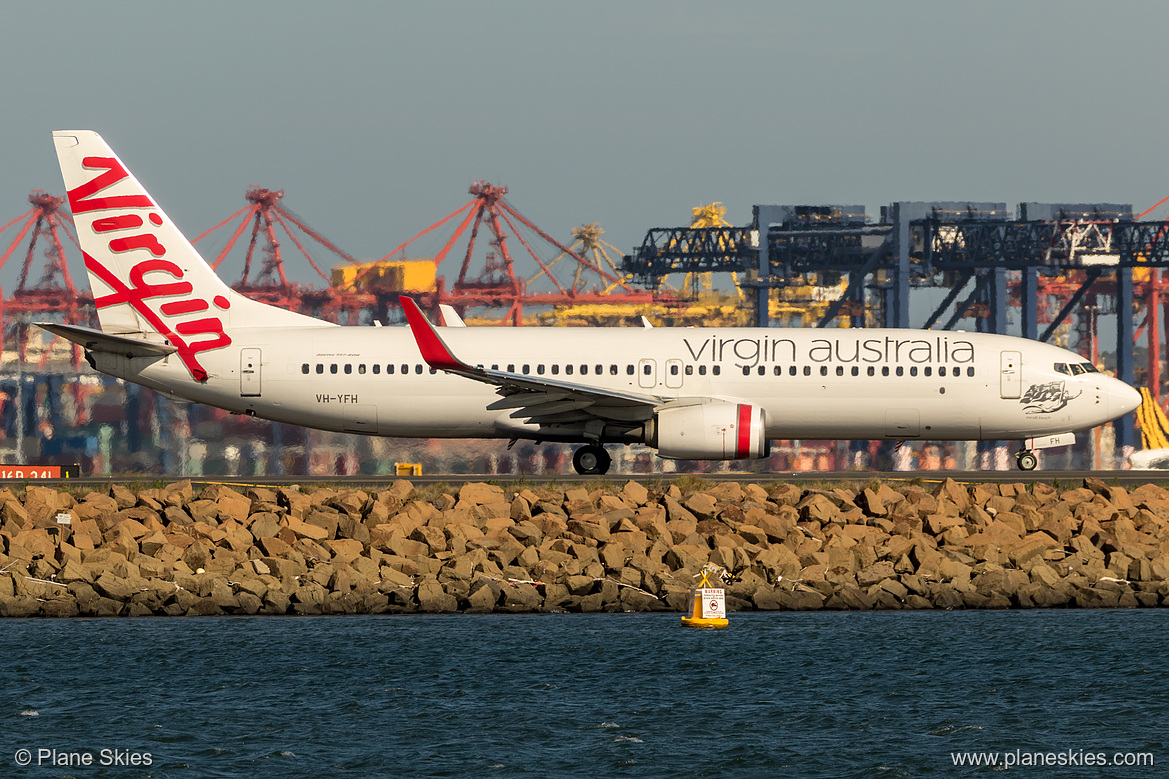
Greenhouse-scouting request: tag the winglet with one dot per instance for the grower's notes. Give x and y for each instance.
(450, 317)
(430, 344)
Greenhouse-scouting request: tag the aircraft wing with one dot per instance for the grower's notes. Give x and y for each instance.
(97, 341)
(538, 400)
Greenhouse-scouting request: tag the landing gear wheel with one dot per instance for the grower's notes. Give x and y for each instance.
(1026, 460)
(591, 460)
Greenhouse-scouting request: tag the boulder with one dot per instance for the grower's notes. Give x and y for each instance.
(635, 493)
(592, 529)
(344, 550)
(305, 530)
(818, 507)
(481, 597)
(875, 573)
(114, 588)
(432, 598)
(478, 493)
(520, 598)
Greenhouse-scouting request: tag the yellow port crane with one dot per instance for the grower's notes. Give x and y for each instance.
(800, 305)
(696, 301)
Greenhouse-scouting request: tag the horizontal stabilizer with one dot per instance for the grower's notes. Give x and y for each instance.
(450, 317)
(97, 341)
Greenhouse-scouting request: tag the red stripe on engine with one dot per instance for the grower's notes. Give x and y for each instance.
(743, 450)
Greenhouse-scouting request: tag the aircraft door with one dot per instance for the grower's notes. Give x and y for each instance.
(249, 372)
(673, 374)
(1011, 375)
(647, 373)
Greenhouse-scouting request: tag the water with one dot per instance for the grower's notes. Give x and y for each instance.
(809, 694)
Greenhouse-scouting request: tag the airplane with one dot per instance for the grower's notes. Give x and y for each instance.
(169, 323)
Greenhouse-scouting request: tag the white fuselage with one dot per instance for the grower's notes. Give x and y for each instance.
(840, 383)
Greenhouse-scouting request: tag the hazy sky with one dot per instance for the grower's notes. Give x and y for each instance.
(375, 117)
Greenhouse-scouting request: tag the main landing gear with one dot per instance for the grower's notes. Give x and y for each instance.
(591, 460)
(1026, 460)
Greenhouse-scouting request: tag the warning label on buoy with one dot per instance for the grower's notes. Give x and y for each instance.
(714, 603)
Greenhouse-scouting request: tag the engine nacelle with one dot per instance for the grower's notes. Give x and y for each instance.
(710, 431)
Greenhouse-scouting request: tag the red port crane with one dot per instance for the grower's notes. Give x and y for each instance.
(53, 294)
(496, 283)
(263, 275)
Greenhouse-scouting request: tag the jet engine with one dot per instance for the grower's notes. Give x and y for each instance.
(710, 431)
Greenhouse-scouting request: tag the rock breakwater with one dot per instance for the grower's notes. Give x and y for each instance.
(632, 547)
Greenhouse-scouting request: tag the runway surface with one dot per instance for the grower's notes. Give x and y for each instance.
(820, 478)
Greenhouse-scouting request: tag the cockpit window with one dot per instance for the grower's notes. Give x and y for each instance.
(1089, 367)
(1077, 369)
(1062, 367)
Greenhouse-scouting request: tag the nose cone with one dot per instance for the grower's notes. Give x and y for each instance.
(1122, 398)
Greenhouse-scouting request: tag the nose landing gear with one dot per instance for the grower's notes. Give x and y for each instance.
(591, 460)
(1026, 460)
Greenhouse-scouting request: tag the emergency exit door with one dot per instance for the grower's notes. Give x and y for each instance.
(249, 372)
(1011, 375)
(647, 373)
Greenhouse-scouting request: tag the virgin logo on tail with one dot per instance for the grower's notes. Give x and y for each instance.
(140, 292)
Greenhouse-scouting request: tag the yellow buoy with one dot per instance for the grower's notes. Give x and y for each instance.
(708, 605)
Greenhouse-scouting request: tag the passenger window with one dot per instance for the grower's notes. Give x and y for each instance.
(320, 368)
(333, 368)
(494, 367)
(913, 370)
(689, 370)
(823, 370)
(839, 370)
(927, 370)
(600, 369)
(807, 370)
(629, 370)
(762, 370)
(584, 370)
(433, 371)
(716, 370)
(969, 371)
(673, 370)
(613, 370)
(377, 368)
(778, 370)
(856, 371)
(540, 369)
(526, 370)
(361, 368)
(884, 370)
(900, 371)
(942, 371)
(511, 368)
(405, 369)
(555, 370)
(746, 370)
(568, 369)
(872, 371)
(304, 368)
(418, 369)
(348, 369)
(701, 370)
(955, 371)
(792, 371)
